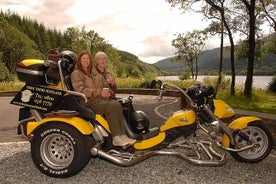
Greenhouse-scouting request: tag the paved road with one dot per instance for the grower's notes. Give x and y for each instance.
(8, 121)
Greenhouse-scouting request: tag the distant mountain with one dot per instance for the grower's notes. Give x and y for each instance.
(208, 63)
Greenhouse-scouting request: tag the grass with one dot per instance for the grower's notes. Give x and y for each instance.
(11, 85)
(261, 101)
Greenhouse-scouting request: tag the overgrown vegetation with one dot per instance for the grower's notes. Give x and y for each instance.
(11, 85)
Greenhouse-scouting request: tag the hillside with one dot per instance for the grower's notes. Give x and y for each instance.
(208, 63)
(23, 38)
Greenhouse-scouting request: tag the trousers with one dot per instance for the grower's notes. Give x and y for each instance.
(112, 111)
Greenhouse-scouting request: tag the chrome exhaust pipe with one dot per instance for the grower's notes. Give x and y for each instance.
(237, 150)
(121, 159)
(128, 159)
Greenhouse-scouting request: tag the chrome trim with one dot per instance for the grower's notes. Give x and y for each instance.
(28, 71)
(203, 153)
(237, 150)
(37, 116)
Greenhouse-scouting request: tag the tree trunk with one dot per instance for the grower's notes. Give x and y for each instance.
(251, 50)
(196, 65)
(232, 58)
(221, 58)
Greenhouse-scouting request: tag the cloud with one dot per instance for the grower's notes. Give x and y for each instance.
(110, 23)
(11, 3)
(52, 13)
(158, 46)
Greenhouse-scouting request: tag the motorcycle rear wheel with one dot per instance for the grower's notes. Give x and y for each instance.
(60, 150)
(257, 133)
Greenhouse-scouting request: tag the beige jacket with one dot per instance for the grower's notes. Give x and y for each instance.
(91, 86)
(105, 74)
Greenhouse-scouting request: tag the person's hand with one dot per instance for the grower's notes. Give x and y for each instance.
(110, 80)
(106, 93)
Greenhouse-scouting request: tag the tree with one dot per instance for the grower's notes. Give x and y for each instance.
(243, 16)
(268, 12)
(246, 14)
(15, 46)
(213, 10)
(189, 47)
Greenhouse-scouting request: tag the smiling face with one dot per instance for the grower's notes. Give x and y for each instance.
(101, 61)
(85, 61)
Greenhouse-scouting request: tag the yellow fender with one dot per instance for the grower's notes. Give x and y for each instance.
(103, 122)
(222, 110)
(83, 126)
(238, 124)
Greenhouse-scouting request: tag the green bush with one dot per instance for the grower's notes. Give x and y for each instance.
(185, 76)
(272, 85)
(225, 83)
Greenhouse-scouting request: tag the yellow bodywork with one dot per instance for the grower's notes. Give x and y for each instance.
(103, 122)
(238, 124)
(179, 118)
(83, 126)
(222, 110)
(29, 62)
(148, 143)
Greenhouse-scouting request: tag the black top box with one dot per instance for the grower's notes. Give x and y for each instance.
(31, 71)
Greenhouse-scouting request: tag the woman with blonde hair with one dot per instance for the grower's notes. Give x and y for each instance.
(101, 62)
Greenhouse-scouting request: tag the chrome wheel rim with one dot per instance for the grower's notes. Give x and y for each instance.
(256, 136)
(57, 151)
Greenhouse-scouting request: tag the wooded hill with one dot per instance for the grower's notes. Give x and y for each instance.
(208, 64)
(23, 38)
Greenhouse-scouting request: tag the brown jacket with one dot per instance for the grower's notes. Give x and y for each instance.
(91, 86)
(105, 74)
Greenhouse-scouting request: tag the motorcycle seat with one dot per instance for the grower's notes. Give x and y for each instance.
(146, 135)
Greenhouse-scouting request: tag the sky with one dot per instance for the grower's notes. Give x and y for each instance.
(144, 28)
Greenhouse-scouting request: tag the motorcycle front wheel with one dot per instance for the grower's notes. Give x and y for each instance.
(258, 134)
(60, 150)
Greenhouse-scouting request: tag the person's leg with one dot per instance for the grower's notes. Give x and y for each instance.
(112, 111)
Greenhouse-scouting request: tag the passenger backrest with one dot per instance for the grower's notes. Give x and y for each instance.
(68, 83)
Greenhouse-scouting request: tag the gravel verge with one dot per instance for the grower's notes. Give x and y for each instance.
(16, 166)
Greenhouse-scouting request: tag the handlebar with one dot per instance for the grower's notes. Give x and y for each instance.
(162, 91)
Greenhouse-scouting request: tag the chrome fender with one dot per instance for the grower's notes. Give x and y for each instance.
(83, 126)
(238, 124)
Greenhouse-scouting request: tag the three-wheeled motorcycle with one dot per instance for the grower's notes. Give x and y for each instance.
(62, 142)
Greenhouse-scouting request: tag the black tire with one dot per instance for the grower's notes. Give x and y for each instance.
(60, 150)
(258, 133)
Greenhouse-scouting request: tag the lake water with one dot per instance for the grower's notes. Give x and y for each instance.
(258, 81)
